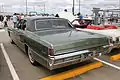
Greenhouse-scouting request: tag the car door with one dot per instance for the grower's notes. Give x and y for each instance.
(13, 31)
(19, 33)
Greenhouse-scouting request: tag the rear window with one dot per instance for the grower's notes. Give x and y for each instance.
(51, 23)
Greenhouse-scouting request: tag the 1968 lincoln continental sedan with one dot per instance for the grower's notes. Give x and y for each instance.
(53, 42)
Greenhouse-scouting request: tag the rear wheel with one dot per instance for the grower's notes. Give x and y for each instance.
(30, 56)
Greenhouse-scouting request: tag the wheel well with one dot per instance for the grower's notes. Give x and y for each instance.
(26, 48)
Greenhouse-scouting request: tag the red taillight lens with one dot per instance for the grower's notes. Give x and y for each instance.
(51, 52)
(110, 41)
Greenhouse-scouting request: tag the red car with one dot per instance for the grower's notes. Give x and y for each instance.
(81, 23)
(85, 23)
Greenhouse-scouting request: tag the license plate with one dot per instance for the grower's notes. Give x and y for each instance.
(86, 55)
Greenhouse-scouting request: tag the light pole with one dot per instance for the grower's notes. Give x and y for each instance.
(73, 7)
(119, 7)
(26, 7)
(79, 6)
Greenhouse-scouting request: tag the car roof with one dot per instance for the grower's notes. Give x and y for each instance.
(30, 21)
(40, 18)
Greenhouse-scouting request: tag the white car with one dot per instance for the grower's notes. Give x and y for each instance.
(113, 33)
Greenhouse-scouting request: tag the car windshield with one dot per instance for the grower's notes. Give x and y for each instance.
(51, 23)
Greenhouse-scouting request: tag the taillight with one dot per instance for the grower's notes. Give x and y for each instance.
(110, 41)
(117, 39)
(51, 52)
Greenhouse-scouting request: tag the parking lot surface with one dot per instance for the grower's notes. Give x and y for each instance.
(26, 71)
(4, 70)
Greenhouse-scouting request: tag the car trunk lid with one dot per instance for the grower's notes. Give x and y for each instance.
(66, 41)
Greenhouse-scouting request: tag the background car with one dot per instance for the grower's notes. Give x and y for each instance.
(114, 34)
(86, 23)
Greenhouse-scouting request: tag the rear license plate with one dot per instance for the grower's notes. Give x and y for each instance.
(87, 55)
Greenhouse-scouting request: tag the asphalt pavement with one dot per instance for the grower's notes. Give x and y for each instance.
(26, 71)
(4, 70)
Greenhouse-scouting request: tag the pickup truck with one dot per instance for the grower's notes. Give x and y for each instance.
(54, 43)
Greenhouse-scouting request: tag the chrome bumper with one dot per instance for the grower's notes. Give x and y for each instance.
(69, 60)
(77, 57)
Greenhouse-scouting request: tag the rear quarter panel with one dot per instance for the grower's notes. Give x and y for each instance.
(39, 50)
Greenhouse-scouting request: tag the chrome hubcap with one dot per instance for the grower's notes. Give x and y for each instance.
(30, 56)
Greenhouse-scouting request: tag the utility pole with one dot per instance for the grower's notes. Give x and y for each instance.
(119, 8)
(26, 7)
(79, 6)
(73, 7)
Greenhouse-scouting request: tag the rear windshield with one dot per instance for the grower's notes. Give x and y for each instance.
(51, 23)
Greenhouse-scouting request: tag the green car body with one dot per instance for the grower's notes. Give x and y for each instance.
(55, 44)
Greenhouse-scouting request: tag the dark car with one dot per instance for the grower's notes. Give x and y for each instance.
(53, 42)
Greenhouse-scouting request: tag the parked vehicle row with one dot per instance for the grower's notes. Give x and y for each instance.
(54, 43)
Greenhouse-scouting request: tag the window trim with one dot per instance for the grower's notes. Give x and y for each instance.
(50, 19)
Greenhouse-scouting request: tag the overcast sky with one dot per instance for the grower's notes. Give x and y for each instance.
(52, 6)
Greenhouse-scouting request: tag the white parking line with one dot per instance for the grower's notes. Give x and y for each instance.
(2, 30)
(107, 63)
(9, 63)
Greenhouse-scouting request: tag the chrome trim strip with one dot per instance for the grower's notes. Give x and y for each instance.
(67, 62)
(71, 54)
(80, 59)
(50, 19)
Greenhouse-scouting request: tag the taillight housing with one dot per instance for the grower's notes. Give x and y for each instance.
(51, 52)
(111, 41)
(117, 39)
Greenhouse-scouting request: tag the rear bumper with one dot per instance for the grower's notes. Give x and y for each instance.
(70, 62)
(64, 60)
(116, 45)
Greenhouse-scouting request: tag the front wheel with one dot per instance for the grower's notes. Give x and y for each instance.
(30, 56)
